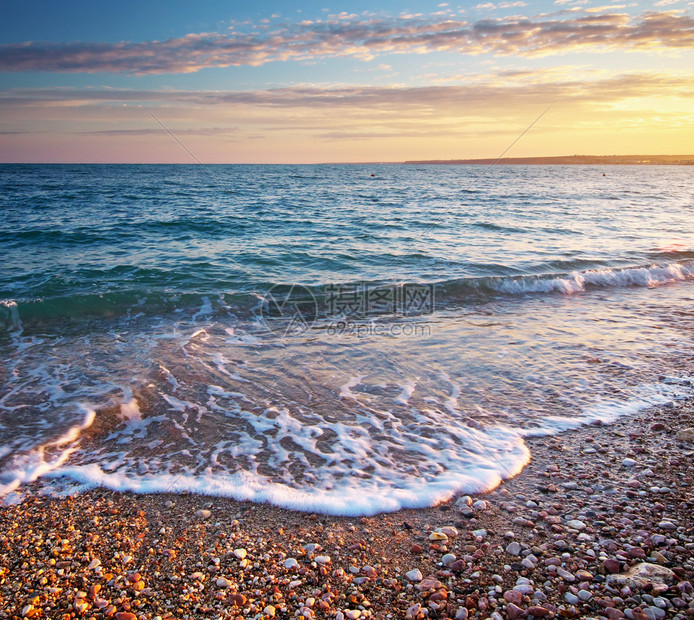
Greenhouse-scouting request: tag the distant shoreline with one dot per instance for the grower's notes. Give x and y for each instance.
(573, 160)
(562, 160)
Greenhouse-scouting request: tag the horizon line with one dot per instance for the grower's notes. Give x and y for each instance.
(532, 159)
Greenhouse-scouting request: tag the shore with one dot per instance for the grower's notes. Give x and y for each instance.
(600, 524)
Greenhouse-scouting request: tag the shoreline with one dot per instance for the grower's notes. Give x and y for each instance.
(555, 541)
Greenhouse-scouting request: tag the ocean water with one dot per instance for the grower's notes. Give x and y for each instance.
(347, 339)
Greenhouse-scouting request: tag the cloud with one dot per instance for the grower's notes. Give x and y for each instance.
(509, 88)
(361, 38)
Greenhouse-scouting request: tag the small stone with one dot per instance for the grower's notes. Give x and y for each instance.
(575, 524)
(290, 563)
(353, 614)
(448, 559)
(322, 559)
(369, 571)
(481, 504)
(628, 462)
(571, 599)
(413, 612)
(223, 583)
(514, 612)
(449, 531)
(537, 611)
(238, 600)
(611, 566)
(438, 536)
(414, 575)
(584, 595)
(203, 514)
(125, 615)
(513, 596)
(527, 563)
(479, 533)
(269, 611)
(565, 575)
(686, 434)
(514, 548)
(240, 553)
(429, 584)
(524, 588)
(667, 525)
(95, 563)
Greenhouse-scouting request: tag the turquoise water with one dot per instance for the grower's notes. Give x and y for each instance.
(151, 338)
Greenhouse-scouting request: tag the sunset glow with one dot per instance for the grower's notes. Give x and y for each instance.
(348, 82)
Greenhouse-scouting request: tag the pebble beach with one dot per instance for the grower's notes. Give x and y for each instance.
(600, 524)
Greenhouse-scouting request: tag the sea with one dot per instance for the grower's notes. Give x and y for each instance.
(344, 339)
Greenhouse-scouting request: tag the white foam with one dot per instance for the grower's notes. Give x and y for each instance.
(346, 389)
(12, 312)
(577, 281)
(408, 388)
(28, 466)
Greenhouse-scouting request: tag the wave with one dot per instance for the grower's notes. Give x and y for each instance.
(568, 283)
(149, 301)
(485, 457)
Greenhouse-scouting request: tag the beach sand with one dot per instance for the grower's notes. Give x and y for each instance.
(561, 539)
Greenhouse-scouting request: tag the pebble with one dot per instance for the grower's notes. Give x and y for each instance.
(322, 559)
(290, 563)
(240, 553)
(576, 524)
(203, 514)
(686, 434)
(628, 462)
(414, 575)
(223, 583)
(448, 530)
(513, 596)
(514, 548)
(565, 574)
(448, 559)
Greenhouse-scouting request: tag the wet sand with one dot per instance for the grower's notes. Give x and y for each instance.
(600, 524)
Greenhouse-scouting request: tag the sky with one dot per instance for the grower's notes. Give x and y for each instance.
(343, 81)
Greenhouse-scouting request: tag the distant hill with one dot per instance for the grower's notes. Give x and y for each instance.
(585, 160)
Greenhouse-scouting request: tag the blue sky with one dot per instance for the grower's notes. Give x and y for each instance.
(346, 81)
